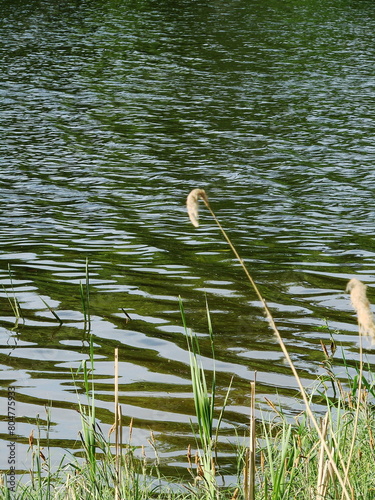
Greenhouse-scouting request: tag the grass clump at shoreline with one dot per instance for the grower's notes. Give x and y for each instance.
(314, 456)
(288, 458)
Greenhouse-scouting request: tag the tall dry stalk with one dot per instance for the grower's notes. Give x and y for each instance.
(361, 304)
(249, 471)
(192, 208)
(323, 465)
(117, 432)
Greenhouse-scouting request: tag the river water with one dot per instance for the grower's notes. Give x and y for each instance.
(112, 111)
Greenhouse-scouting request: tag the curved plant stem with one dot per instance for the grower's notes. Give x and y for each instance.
(271, 321)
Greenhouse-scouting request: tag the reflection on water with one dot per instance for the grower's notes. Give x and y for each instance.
(112, 114)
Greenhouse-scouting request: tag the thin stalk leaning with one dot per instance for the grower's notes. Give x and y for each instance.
(192, 207)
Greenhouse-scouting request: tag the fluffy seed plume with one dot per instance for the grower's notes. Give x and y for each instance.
(192, 204)
(361, 304)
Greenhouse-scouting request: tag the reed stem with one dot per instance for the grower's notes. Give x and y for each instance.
(117, 432)
(202, 195)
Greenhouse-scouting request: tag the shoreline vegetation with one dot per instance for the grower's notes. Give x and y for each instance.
(319, 457)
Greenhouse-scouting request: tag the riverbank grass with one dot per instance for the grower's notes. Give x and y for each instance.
(285, 460)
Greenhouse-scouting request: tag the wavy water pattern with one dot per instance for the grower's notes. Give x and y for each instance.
(112, 112)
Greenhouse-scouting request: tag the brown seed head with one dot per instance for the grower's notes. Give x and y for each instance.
(359, 300)
(192, 204)
(31, 439)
